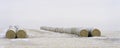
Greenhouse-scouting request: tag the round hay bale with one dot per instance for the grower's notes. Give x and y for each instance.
(10, 34)
(95, 32)
(83, 33)
(21, 34)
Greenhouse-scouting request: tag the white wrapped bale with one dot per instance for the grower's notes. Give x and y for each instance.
(48, 28)
(52, 29)
(61, 30)
(21, 33)
(73, 30)
(67, 30)
(83, 32)
(11, 32)
(94, 32)
(44, 28)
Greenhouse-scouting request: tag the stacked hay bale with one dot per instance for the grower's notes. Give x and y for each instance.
(20, 32)
(11, 32)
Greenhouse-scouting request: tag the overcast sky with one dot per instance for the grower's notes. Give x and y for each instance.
(103, 14)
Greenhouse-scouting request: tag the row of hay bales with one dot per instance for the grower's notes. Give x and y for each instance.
(83, 32)
(15, 32)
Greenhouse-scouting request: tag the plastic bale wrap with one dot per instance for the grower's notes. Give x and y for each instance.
(52, 29)
(73, 30)
(61, 30)
(67, 30)
(83, 32)
(56, 29)
(48, 28)
(44, 28)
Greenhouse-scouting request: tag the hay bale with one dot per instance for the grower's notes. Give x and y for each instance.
(11, 32)
(21, 34)
(82, 32)
(95, 32)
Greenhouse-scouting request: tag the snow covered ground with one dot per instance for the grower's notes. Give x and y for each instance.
(47, 39)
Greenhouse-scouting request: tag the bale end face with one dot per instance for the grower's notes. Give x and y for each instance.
(21, 34)
(10, 34)
(96, 32)
(84, 33)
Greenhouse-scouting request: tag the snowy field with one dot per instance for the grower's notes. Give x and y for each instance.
(102, 14)
(47, 39)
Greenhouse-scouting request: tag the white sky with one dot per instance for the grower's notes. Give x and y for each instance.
(103, 14)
